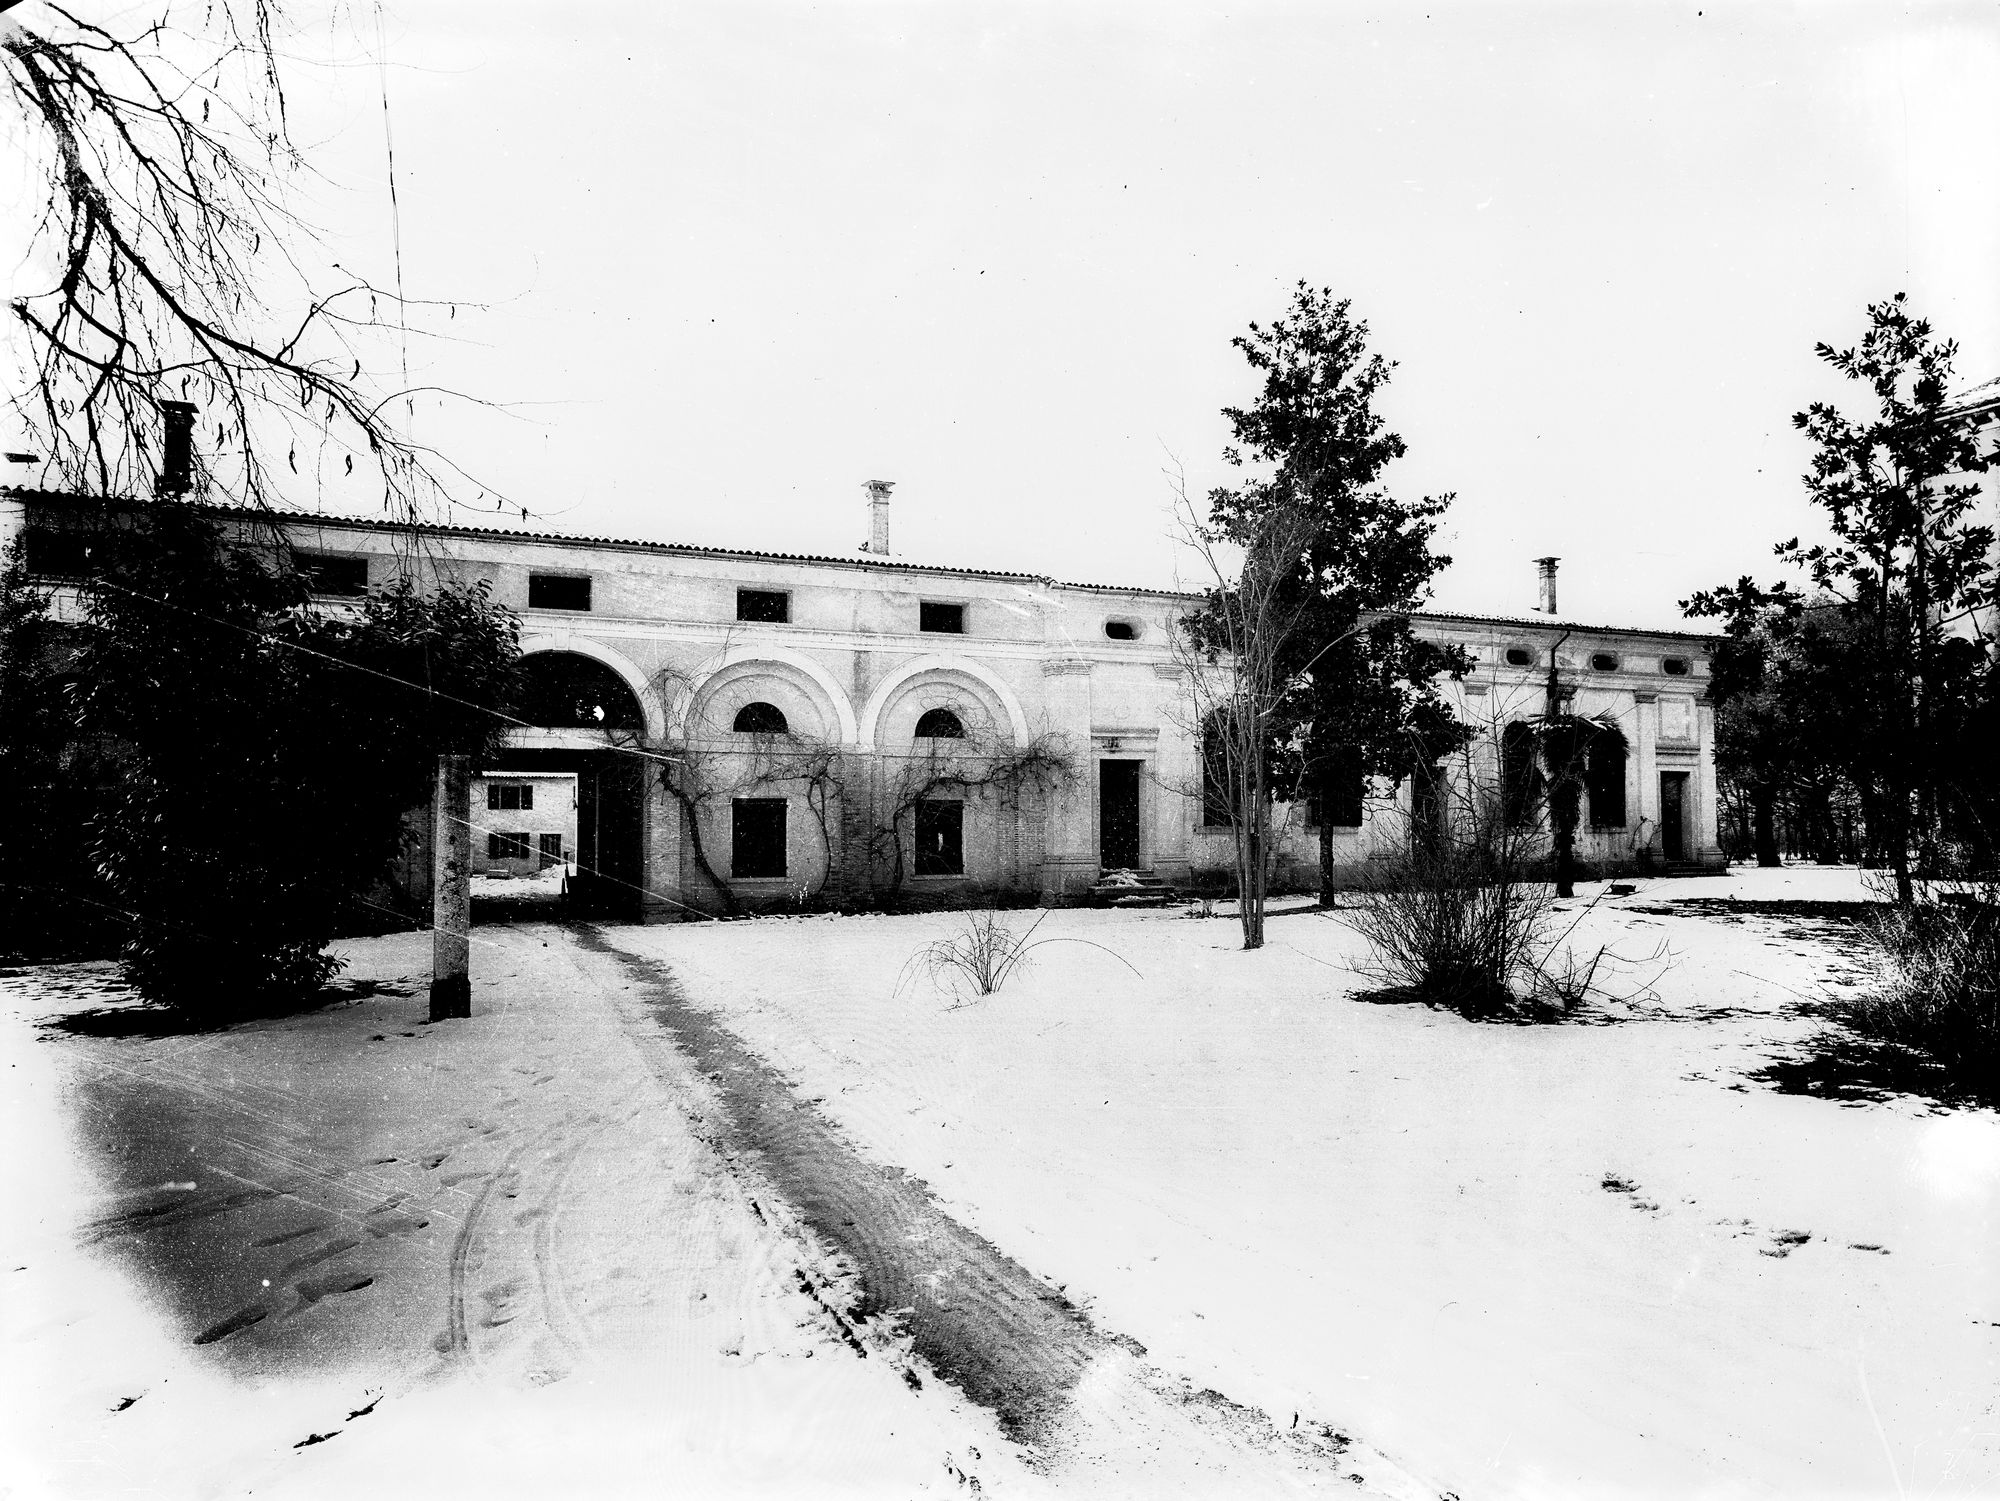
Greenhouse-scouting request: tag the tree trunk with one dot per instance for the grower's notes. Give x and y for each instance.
(1325, 852)
(1764, 825)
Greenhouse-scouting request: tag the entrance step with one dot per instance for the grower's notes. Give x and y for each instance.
(1131, 888)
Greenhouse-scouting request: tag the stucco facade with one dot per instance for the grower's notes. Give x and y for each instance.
(677, 800)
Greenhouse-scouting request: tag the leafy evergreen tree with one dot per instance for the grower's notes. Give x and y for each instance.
(1907, 565)
(1361, 693)
(263, 754)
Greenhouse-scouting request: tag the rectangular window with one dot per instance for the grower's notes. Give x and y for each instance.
(558, 591)
(509, 795)
(757, 838)
(327, 573)
(57, 555)
(1604, 777)
(933, 616)
(551, 845)
(1216, 812)
(508, 846)
(940, 838)
(764, 606)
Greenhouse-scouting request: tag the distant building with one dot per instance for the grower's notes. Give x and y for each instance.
(785, 728)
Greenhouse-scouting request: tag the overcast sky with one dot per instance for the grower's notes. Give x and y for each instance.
(738, 259)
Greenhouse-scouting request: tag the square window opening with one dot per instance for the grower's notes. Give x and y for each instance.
(764, 606)
(345, 577)
(510, 845)
(558, 591)
(932, 615)
(510, 795)
(56, 555)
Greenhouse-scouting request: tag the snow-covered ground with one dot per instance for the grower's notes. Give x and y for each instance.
(1558, 1261)
(1583, 1260)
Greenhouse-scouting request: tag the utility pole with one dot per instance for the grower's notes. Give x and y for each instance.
(451, 889)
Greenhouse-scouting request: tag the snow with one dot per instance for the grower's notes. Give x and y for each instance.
(627, 1316)
(1397, 1222)
(1554, 1261)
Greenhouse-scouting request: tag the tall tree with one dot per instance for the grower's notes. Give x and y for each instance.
(1360, 695)
(1908, 568)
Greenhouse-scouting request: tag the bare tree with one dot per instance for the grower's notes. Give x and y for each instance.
(1233, 652)
(167, 240)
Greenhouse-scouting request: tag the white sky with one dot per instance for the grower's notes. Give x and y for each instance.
(738, 259)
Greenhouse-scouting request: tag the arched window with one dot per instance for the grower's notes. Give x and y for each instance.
(566, 690)
(940, 724)
(760, 719)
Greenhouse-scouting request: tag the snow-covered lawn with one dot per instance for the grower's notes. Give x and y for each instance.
(1583, 1260)
(1558, 1261)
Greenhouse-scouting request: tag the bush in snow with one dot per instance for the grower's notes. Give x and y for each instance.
(1463, 916)
(1940, 990)
(978, 960)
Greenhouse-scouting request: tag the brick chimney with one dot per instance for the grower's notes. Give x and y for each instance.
(1545, 568)
(878, 516)
(177, 449)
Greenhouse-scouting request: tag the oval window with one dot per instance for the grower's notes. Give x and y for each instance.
(1520, 656)
(1603, 661)
(1674, 667)
(1121, 630)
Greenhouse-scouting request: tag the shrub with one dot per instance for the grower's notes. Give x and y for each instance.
(1463, 917)
(980, 959)
(1940, 987)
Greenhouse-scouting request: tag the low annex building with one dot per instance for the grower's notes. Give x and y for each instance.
(743, 731)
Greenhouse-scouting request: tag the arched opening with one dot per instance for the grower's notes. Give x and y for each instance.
(940, 724)
(761, 719)
(565, 690)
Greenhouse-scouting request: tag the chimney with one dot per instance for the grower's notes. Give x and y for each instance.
(177, 449)
(1546, 569)
(878, 516)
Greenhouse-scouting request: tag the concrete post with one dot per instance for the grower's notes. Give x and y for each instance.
(451, 890)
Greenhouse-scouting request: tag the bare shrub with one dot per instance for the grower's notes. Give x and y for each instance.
(1940, 988)
(1463, 917)
(980, 959)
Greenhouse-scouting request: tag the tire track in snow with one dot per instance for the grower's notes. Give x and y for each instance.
(1004, 1337)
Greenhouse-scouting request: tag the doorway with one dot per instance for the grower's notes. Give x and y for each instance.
(1673, 815)
(1118, 814)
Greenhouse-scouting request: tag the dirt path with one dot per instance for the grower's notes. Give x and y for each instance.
(908, 1275)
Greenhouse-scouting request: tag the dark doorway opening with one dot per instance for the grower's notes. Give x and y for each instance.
(610, 824)
(1118, 814)
(1673, 814)
(940, 838)
(757, 838)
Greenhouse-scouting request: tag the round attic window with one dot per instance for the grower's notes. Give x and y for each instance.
(1674, 667)
(1603, 661)
(1122, 630)
(1520, 656)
